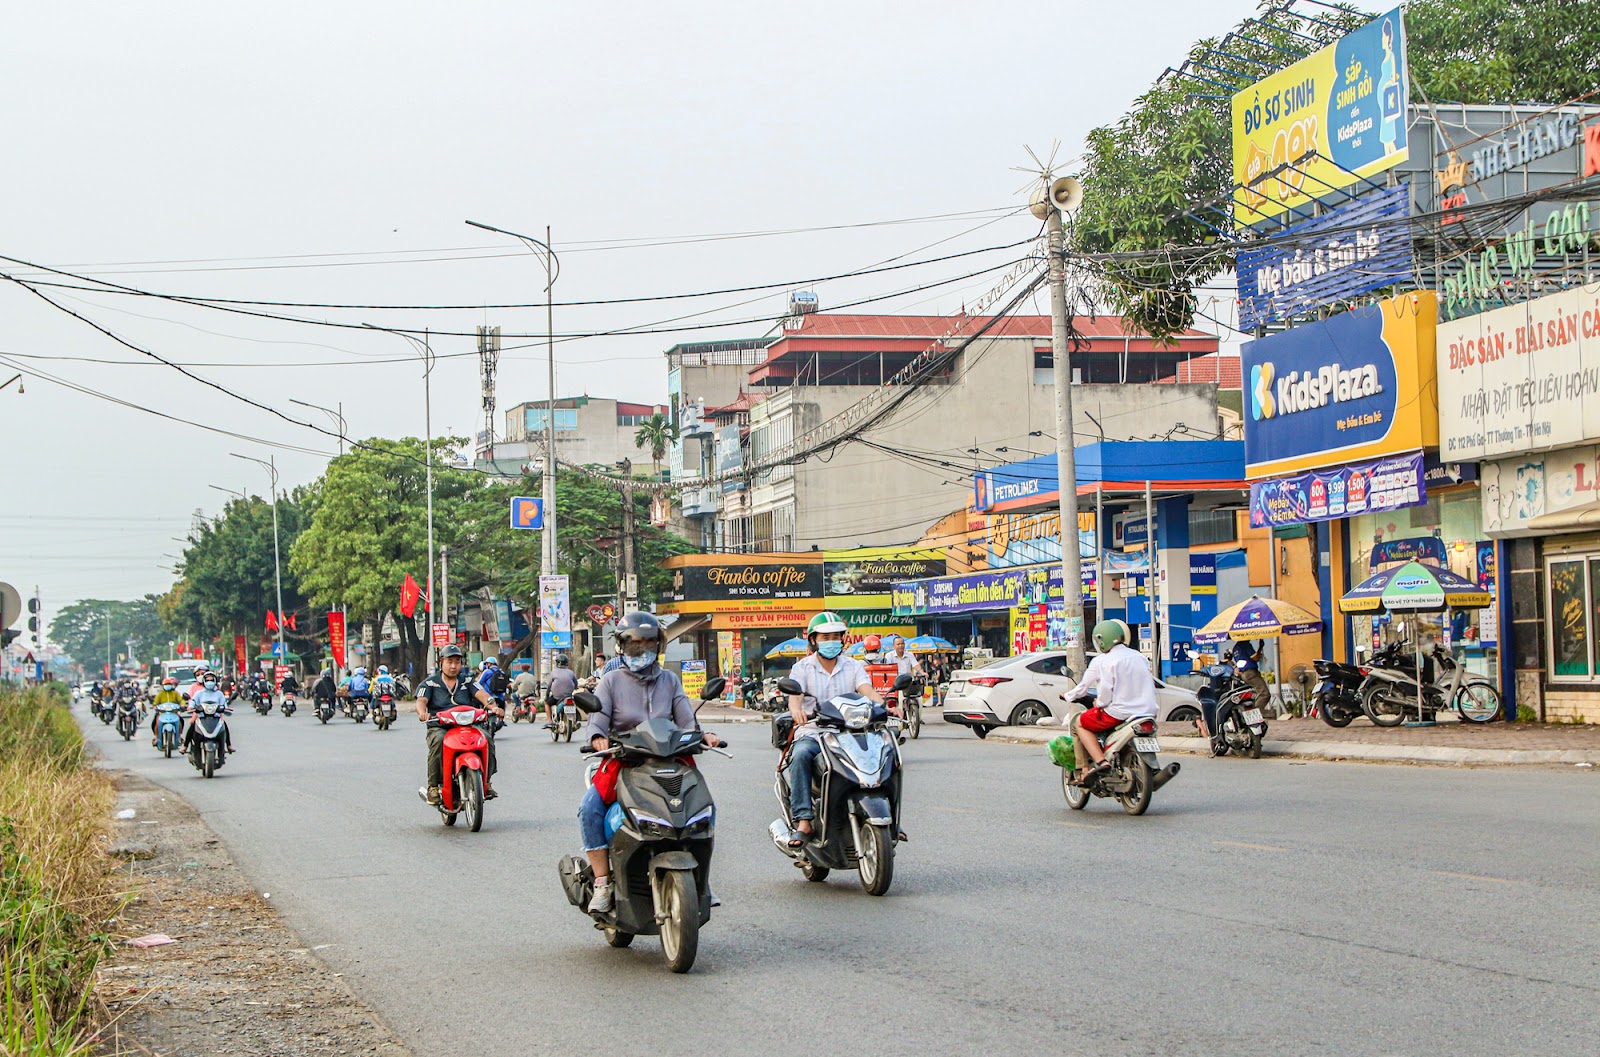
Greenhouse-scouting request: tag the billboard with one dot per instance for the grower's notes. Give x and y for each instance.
(1361, 488)
(862, 578)
(1521, 378)
(1357, 386)
(1350, 250)
(555, 614)
(733, 583)
(1344, 106)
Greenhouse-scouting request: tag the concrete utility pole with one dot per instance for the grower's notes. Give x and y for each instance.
(628, 586)
(271, 465)
(1047, 203)
(444, 592)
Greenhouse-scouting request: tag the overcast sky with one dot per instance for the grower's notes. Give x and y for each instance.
(330, 152)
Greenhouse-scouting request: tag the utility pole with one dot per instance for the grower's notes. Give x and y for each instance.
(1047, 203)
(444, 592)
(628, 586)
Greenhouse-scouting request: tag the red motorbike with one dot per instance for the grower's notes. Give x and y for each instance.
(524, 709)
(383, 710)
(465, 765)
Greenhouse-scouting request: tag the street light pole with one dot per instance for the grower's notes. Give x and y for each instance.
(277, 566)
(336, 416)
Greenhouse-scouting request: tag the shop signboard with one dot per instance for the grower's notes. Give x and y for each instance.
(762, 618)
(555, 613)
(1521, 378)
(732, 584)
(1334, 117)
(1346, 491)
(1406, 549)
(863, 577)
(694, 678)
(1000, 590)
(1546, 486)
(1350, 250)
(730, 652)
(1354, 387)
(1033, 539)
(998, 490)
(1129, 529)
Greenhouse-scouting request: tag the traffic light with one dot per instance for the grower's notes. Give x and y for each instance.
(33, 625)
(8, 636)
(33, 604)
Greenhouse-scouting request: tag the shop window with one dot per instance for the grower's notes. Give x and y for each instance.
(1212, 526)
(1574, 586)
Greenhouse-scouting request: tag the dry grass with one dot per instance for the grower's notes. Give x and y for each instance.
(58, 893)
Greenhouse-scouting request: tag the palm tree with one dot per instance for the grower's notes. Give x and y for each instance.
(658, 432)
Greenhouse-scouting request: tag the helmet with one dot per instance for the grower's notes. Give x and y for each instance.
(490, 662)
(169, 681)
(636, 627)
(383, 669)
(872, 643)
(1108, 633)
(826, 620)
(449, 651)
(562, 660)
(327, 673)
(361, 670)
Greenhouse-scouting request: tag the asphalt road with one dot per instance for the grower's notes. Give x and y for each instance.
(1260, 907)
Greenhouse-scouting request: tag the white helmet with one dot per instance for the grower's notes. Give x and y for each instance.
(490, 662)
(383, 669)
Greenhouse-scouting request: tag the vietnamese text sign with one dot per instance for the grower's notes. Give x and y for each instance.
(1518, 489)
(1361, 488)
(1344, 105)
(864, 577)
(1521, 378)
(555, 614)
(441, 635)
(1350, 250)
(734, 584)
(1353, 387)
(979, 591)
(694, 678)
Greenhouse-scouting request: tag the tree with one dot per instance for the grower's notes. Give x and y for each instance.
(1479, 51)
(81, 628)
(660, 433)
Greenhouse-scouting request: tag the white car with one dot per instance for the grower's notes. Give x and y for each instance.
(1019, 691)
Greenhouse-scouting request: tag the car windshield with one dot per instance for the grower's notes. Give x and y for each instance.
(183, 674)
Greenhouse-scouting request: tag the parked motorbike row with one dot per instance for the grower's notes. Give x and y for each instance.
(1386, 689)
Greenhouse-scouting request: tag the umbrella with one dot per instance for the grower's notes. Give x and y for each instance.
(930, 644)
(1258, 618)
(795, 647)
(1415, 587)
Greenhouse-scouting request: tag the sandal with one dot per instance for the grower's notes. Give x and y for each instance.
(798, 839)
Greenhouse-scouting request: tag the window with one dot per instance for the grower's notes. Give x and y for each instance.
(566, 419)
(1574, 592)
(1049, 665)
(1212, 526)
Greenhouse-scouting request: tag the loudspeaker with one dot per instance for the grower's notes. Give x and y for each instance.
(1064, 193)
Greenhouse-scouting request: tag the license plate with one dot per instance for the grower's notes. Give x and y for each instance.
(956, 688)
(1146, 745)
(1321, 686)
(570, 710)
(1251, 715)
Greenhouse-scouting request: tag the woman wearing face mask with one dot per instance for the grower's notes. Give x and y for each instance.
(823, 674)
(210, 692)
(636, 691)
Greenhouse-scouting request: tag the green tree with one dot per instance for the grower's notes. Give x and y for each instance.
(81, 629)
(1480, 51)
(658, 433)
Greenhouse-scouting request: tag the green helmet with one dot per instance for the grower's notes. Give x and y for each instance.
(826, 620)
(1108, 633)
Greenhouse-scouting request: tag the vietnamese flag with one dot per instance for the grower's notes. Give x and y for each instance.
(272, 621)
(289, 623)
(410, 594)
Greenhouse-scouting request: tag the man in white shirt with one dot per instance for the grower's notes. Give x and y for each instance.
(1127, 691)
(823, 674)
(907, 662)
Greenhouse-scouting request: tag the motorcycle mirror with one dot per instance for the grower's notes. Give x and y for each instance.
(586, 701)
(789, 686)
(903, 681)
(713, 688)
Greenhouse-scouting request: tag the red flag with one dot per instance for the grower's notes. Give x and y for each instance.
(289, 623)
(272, 621)
(238, 652)
(410, 594)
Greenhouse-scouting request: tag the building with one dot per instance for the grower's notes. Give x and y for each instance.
(912, 467)
(590, 431)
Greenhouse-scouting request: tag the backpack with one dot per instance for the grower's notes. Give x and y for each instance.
(359, 684)
(499, 682)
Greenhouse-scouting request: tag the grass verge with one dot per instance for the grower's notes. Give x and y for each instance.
(58, 890)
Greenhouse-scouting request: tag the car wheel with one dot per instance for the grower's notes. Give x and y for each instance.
(1183, 714)
(1029, 713)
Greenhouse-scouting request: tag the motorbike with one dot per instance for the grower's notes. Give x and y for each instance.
(383, 710)
(358, 708)
(1232, 716)
(108, 710)
(1336, 696)
(169, 725)
(911, 709)
(524, 708)
(127, 717)
(1389, 694)
(287, 707)
(565, 723)
(208, 737)
(1136, 771)
(465, 764)
(662, 829)
(855, 786)
(324, 709)
(262, 701)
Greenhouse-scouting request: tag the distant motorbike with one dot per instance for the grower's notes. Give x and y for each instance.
(261, 700)
(287, 707)
(208, 737)
(108, 710)
(911, 707)
(1232, 714)
(855, 786)
(359, 707)
(1389, 696)
(169, 725)
(383, 710)
(661, 831)
(127, 717)
(1136, 772)
(465, 765)
(325, 709)
(524, 707)
(566, 721)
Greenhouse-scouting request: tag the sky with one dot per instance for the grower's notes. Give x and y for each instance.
(330, 153)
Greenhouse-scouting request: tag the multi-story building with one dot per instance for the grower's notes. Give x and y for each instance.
(994, 400)
(590, 431)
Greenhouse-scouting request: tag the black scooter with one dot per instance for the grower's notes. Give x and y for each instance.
(127, 717)
(661, 850)
(1232, 715)
(207, 737)
(1336, 697)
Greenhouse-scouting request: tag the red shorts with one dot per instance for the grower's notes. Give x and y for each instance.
(1098, 720)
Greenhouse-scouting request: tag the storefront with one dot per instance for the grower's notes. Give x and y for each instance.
(976, 609)
(740, 606)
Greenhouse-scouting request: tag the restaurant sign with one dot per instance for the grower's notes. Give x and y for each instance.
(731, 585)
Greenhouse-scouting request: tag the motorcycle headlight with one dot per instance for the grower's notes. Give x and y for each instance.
(700, 824)
(650, 825)
(209, 708)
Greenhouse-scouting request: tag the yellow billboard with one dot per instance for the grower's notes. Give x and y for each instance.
(1335, 117)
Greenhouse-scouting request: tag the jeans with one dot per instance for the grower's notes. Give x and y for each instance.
(592, 821)
(802, 760)
(436, 755)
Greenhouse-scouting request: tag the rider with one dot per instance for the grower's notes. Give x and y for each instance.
(563, 681)
(823, 673)
(209, 693)
(446, 689)
(289, 685)
(324, 688)
(526, 687)
(638, 691)
(168, 695)
(1249, 672)
(383, 683)
(493, 681)
(1124, 680)
(357, 685)
(907, 663)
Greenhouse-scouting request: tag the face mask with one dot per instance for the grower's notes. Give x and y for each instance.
(211, 684)
(639, 663)
(830, 650)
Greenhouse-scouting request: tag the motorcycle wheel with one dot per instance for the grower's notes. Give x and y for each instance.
(1077, 796)
(572, 728)
(324, 717)
(680, 932)
(914, 721)
(812, 872)
(208, 760)
(1334, 716)
(1137, 798)
(1477, 703)
(555, 731)
(1377, 706)
(470, 786)
(618, 938)
(875, 860)
(167, 747)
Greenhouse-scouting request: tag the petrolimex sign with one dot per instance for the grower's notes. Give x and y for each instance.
(1353, 387)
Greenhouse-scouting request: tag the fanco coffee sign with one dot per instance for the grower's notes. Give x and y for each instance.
(1520, 378)
(734, 584)
(1356, 386)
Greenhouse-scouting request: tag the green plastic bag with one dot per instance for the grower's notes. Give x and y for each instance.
(1062, 753)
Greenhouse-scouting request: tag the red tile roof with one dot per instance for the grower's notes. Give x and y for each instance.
(1222, 368)
(833, 325)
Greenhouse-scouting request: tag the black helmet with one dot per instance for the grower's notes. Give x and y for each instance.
(638, 626)
(562, 660)
(451, 651)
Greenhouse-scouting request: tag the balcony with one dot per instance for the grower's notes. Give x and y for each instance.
(692, 420)
(701, 502)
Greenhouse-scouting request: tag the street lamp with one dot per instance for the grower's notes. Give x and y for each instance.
(552, 271)
(336, 416)
(425, 350)
(277, 574)
(14, 378)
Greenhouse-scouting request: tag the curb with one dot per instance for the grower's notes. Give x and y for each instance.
(1348, 750)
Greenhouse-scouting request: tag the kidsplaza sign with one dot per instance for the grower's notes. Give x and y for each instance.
(1351, 387)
